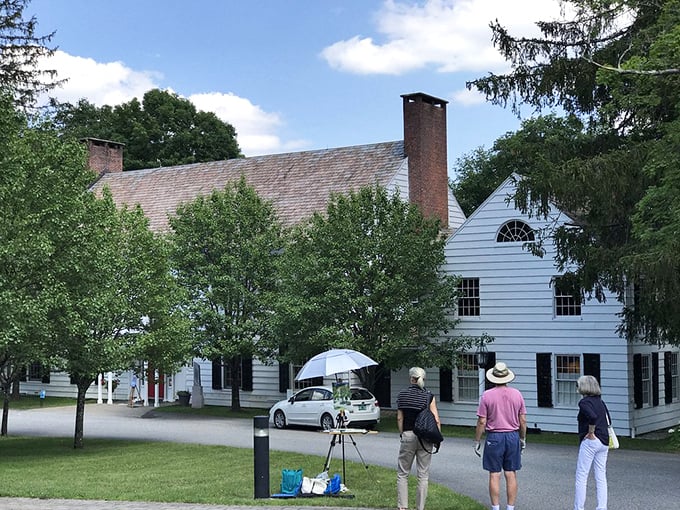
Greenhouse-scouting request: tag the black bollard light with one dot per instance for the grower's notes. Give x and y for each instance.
(261, 456)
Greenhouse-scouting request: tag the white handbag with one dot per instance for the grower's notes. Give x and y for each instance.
(613, 440)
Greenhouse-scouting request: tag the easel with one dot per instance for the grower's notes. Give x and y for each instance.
(338, 435)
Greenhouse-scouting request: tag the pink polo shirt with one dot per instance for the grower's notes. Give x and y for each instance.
(501, 406)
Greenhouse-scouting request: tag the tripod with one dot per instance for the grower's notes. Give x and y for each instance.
(338, 436)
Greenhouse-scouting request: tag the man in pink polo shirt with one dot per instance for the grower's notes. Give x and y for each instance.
(503, 416)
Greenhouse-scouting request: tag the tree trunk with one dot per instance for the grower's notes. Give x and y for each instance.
(235, 395)
(6, 379)
(83, 385)
(5, 412)
(16, 387)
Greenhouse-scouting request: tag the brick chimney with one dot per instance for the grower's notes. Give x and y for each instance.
(425, 147)
(104, 156)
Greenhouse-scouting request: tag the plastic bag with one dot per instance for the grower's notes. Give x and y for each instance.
(291, 481)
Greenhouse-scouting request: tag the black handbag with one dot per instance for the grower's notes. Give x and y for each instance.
(426, 429)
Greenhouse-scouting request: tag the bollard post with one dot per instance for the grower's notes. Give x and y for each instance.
(261, 456)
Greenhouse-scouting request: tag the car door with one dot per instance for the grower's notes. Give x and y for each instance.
(322, 402)
(299, 409)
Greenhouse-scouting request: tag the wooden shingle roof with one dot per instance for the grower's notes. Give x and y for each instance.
(297, 183)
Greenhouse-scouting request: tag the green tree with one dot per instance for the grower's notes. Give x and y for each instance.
(615, 67)
(223, 257)
(161, 130)
(20, 50)
(540, 146)
(366, 275)
(476, 177)
(37, 181)
(112, 274)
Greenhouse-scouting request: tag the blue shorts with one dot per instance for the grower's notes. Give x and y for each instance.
(502, 452)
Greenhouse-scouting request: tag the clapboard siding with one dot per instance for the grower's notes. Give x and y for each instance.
(516, 309)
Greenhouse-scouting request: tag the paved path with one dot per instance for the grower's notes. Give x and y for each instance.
(637, 480)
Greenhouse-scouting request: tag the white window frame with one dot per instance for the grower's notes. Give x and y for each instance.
(675, 377)
(466, 375)
(469, 290)
(646, 379)
(564, 302)
(35, 372)
(303, 383)
(565, 378)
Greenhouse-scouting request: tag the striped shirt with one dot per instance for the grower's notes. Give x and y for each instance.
(411, 401)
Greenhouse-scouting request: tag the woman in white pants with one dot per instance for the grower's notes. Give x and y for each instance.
(594, 448)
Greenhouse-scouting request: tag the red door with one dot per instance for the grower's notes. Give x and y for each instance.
(152, 384)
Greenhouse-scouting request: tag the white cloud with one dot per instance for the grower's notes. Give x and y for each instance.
(100, 83)
(449, 35)
(256, 129)
(113, 83)
(467, 97)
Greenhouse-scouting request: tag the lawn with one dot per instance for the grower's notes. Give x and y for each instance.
(183, 473)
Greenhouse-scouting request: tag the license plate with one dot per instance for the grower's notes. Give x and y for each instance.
(361, 407)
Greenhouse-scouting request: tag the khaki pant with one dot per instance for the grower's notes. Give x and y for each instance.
(410, 449)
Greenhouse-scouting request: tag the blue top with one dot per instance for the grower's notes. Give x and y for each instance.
(593, 411)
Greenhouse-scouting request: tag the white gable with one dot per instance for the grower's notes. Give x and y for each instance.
(516, 305)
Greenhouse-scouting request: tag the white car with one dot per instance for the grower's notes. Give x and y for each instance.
(314, 407)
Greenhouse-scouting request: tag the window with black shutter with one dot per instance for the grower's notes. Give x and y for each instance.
(490, 362)
(247, 373)
(445, 385)
(217, 374)
(284, 377)
(544, 379)
(637, 380)
(591, 365)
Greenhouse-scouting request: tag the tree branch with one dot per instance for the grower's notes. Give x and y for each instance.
(620, 70)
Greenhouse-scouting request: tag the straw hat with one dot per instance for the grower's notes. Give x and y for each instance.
(500, 374)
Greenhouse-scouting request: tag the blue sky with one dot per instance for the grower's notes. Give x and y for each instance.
(292, 75)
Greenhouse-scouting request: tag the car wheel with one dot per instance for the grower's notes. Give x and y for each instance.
(279, 419)
(327, 422)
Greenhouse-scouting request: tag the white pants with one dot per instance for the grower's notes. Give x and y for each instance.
(410, 450)
(592, 453)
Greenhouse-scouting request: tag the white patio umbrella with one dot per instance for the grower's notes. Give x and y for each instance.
(332, 362)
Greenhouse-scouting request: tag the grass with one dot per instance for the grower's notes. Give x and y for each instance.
(183, 473)
(33, 402)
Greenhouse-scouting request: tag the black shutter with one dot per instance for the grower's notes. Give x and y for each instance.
(247, 374)
(445, 385)
(46, 376)
(655, 379)
(284, 377)
(544, 379)
(667, 377)
(490, 363)
(637, 380)
(591, 365)
(23, 374)
(217, 374)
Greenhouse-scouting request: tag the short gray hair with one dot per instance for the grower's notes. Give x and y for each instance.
(588, 385)
(417, 376)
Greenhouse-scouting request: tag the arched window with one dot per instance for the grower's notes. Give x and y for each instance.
(515, 231)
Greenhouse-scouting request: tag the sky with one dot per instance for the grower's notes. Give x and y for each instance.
(293, 75)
